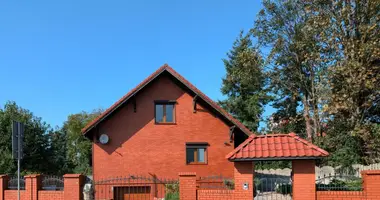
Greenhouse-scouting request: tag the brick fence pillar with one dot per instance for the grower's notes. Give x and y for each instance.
(3, 185)
(73, 186)
(32, 185)
(244, 183)
(304, 179)
(371, 183)
(187, 186)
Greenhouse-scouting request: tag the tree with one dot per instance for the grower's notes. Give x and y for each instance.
(351, 33)
(60, 162)
(78, 147)
(244, 84)
(296, 71)
(36, 142)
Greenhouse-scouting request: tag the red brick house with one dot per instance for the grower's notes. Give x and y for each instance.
(164, 126)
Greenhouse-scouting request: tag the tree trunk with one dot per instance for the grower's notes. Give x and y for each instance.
(306, 115)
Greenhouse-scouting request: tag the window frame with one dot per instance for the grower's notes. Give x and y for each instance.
(197, 146)
(164, 103)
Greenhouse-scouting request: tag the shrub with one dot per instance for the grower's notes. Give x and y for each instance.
(340, 185)
(172, 191)
(229, 183)
(172, 196)
(284, 188)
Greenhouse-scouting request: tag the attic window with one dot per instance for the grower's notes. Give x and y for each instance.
(164, 112)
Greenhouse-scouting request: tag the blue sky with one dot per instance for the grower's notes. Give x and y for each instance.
(61, 57)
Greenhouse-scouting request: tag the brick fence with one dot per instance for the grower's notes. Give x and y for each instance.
(304, 186)
(371, 189)
(73, 184)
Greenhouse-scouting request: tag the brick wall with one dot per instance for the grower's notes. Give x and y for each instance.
(243, 174)
(54, 195)
(214, 194)
(303, 179)
(371, 189)
(339, 195)
(371, 184)
(188, 186)
(12, 195)
(73, 184)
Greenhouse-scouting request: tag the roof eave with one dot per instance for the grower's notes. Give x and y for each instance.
(88, 129)
(211, 104)
(277, 159)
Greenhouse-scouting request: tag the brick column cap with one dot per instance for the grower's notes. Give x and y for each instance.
(32, 176)
(370, 172)
(3, 176)
(72, 175)
(187, 174)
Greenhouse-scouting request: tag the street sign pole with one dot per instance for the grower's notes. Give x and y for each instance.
(17, 149)
(18, 159)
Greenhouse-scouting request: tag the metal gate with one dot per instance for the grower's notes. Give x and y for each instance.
(272, 186)
(136, 188)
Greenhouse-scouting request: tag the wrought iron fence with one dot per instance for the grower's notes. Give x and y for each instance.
(13, 183)
(343, 179)
(340, 183)
(136, 187)
(216, 182)
(273, 186)
(52, 182)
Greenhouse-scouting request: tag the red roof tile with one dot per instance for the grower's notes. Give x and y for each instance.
(276, 147)
(162, 69)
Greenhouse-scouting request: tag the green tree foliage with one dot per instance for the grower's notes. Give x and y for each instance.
(78, 147)
(36, 140)
(245, 82)
(58, 152)
(324, 70)
(352, 34)
(297, 73)
(46, 150)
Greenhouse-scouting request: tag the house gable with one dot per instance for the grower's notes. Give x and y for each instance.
(197, 95)
(140, 146)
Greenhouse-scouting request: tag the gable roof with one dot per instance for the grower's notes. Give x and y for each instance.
(149, 79)
(276, 147)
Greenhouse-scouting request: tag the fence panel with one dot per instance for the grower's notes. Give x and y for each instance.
(136, 188)
(218, 182)
(273, 186)
(52, 182)
(13, 183)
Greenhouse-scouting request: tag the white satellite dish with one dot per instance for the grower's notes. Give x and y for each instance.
(104, 139)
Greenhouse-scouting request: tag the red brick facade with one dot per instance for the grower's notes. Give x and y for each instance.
(215, 194)
(188, 186)
(243, 174)
(139, 146)
(303, 179)
(72, 189)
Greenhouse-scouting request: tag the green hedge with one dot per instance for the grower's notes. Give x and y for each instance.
(339, 185)
(284, 189)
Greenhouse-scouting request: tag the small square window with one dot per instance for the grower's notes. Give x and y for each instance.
(164, 112)
(196, 153)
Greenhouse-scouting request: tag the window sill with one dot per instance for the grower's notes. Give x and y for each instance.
(196, 164)
(165, 123)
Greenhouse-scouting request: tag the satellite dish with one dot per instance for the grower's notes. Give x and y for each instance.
(104, 139)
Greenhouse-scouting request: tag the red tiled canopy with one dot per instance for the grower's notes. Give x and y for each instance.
(276, 147)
